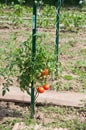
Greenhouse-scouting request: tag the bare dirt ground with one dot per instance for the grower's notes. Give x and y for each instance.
(10, 111)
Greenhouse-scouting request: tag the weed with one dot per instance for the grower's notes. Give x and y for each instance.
(68, 77)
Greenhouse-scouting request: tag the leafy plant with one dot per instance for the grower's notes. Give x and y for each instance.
(16, 15)
(72, 20)
(28, 70)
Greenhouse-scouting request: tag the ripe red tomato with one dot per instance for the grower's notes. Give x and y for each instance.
(45, 72)
(46, 86)
(40, 89)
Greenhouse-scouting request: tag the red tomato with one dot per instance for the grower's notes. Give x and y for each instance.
(45, 72)
(46, 86)
(40, 89)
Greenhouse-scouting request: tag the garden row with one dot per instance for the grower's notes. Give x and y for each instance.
(22, 15)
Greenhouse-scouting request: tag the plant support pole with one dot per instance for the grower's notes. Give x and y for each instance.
(33, 54)
(58, 5)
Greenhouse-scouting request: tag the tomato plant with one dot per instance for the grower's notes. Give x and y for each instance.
(40, 89)
(28, 70)
(46, 86)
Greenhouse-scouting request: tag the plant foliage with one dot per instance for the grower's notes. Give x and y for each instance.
(28, 68)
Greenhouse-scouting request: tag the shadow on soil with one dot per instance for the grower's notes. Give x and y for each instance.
(8, 110)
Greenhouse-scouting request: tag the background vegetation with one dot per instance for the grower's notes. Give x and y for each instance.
(50, 2)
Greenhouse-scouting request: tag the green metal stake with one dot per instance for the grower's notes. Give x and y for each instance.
(58, 5)
(33, 54)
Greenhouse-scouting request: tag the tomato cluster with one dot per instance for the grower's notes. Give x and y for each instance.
(41, 89)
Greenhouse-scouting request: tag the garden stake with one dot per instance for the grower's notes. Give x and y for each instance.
(58, 5)
(33, 54)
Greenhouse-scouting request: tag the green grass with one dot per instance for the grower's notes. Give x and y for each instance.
(7, 124)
